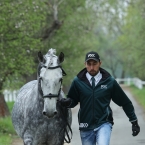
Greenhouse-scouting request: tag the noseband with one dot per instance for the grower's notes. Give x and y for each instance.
(40, 78)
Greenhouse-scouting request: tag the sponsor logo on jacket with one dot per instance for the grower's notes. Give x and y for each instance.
(103, 86)
(83, 125)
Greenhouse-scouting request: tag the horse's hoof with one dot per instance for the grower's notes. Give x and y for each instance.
(27, 142)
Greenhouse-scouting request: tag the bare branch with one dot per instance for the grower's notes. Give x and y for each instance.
(56, 23)
(49, 31)
(55, 12)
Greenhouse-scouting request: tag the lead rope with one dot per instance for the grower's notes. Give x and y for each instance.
(64, 115)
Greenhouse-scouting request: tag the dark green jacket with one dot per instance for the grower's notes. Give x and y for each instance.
(95, 103)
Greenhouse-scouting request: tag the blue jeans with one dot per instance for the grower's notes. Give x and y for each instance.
(98, 136)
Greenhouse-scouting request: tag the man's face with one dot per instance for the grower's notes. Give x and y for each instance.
(92, 66)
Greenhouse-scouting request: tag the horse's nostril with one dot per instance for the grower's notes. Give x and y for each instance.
(55, 112)
(44, 113)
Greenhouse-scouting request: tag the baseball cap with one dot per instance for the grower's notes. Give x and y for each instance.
(92, 55)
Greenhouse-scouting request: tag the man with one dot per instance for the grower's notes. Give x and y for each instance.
(94, 88)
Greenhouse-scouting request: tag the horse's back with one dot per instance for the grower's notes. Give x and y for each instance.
(26, 96)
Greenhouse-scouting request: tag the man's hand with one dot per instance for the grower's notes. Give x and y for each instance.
(65, 102)
(135, 128)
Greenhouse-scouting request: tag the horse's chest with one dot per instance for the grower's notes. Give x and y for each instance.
(50, 126)
(51, 130)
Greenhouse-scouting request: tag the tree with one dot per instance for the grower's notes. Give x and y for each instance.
(17, 44)
(110, 15)
(75, 36)
(27, 27)
(4, 111)
(132, 39)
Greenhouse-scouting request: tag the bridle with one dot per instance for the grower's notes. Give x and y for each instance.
(40, 78)
(63, 110)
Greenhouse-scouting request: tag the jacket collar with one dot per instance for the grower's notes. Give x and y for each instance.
(82, 75)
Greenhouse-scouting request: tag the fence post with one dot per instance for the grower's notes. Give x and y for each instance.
(128, 81)
(117, 79)
(140, 84)
(10, 95)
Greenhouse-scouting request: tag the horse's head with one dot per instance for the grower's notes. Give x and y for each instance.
(50, 76)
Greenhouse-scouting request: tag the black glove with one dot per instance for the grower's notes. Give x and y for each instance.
(65, 102)
(135, 128)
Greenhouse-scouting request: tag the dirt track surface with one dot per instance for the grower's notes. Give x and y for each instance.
(17, 141)
(121, 134)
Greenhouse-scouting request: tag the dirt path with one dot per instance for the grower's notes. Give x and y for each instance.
(122, 131)
(17, 141)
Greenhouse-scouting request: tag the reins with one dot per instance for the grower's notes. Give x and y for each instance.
(66, 127)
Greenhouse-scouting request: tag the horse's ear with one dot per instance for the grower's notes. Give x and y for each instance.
(61, 57)
(40, 56)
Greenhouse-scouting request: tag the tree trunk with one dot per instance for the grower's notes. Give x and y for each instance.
(122, 76)
(4, 111)
(30, 77)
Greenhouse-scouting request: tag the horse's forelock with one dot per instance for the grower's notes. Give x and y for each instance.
(51, 58)
(51, 51)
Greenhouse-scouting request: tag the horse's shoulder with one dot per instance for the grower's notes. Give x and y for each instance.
(29, 85)
(28, 89)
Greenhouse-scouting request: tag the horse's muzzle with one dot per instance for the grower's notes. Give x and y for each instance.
(49, 115)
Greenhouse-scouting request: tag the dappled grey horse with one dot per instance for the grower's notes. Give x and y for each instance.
(37, 115)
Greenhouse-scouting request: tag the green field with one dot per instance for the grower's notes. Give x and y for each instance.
(139, 95)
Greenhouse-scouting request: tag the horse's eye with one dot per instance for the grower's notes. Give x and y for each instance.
(60, 80)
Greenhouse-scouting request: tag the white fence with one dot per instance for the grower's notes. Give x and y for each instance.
(129, 81)
(10, 96)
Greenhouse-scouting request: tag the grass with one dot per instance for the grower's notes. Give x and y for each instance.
(139, 95)
(10, 105)
(6, 128)
(5, 139)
